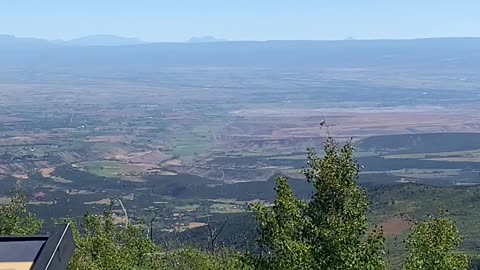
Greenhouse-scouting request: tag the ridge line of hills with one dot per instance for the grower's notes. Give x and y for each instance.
(456, 54)
(11, 41)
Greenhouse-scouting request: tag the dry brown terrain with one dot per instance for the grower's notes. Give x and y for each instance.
(395, 226)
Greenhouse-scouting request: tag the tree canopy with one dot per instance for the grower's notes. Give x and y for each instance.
(330, 231)
(430, 245)
(15, 219)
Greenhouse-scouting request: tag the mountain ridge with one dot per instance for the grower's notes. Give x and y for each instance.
(114, 40)
(12, 42)
(460, 54)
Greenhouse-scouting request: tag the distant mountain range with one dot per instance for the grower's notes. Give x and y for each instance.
(104, 40)
(117, 52)
(12, 42)
(205, 39)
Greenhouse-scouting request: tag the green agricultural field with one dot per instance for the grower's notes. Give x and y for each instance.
(111, 169)
(196, 136)
(71, 146)
(187, 208)
(37, 151)
(189, 149)
(42, 150)
(102, 168)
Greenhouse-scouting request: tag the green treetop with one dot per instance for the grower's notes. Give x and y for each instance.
(330, 231)
(15, 219)
(430, 246)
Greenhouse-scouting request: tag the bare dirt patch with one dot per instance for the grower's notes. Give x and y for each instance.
(173, 162)
(24, 140)
(151, 157)
(395, 226)
(132, 179)
(101, 202)
(167, 173)
(20, 176)
(193, 225)
(41, 203)
(351, 122)
(79, 192)
(46, 172)
(148, 157)
(61, 180)
(111, 139)
(69, 156)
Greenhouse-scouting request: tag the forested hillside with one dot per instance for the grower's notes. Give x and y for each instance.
(330, 230)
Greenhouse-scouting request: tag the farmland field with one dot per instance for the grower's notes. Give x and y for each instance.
(218, 130)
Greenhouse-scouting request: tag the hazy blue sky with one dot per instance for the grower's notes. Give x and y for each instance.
(178, 20)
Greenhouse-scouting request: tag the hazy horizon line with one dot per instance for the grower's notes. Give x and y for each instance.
(219, 39)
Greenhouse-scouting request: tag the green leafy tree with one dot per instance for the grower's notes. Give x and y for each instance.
(15, 219)
(281, 231)
(103, 245)
(100, 244)
(431, 246)
(330, 231)
(195, 259)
